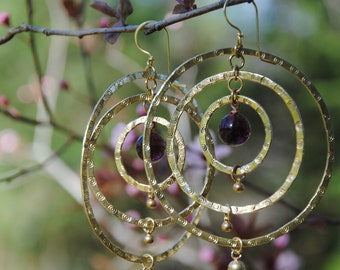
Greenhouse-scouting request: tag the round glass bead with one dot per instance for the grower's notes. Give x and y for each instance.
(157, 146)
(234, 129)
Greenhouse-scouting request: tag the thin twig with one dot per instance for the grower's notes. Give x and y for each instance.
(34, 168)
(152, 27)
(34, 122)
(36, 60)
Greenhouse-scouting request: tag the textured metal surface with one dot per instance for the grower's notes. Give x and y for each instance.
(329, 138)
(94, 128)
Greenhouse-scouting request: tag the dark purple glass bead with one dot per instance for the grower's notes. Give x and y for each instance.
(234, 129)
(157, 146)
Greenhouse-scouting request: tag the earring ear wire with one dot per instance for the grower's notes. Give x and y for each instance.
(151, 58)
(239, 32)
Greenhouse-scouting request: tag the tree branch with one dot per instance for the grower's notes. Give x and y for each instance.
(36, 60)
(28, 170)
(152, 27)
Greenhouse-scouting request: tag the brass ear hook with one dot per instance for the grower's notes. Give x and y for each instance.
(151, 59)
(228, 21)
(240, 34)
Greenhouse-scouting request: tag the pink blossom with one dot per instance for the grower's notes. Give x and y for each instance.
(104, 22)
(207, 254)
(195, 160)
(162, 237)
(138, 164)
(135, 214)
(4, 18)
(132, 191)
(4, 101)
(130, 139)
(282, 242)
(64, 85)
(174, 189)
(287, 260)
(9, 141)
(141, 109)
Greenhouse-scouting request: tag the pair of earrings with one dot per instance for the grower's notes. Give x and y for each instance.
(234, 129)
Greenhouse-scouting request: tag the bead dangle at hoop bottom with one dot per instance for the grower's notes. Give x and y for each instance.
(236, 250)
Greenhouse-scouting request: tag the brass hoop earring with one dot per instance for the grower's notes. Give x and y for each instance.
(105, 111)
(238, 172)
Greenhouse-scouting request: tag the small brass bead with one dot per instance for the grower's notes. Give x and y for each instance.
(148, 239)
(238, 187)
(236, 265)
(226, 226)
(151, 203)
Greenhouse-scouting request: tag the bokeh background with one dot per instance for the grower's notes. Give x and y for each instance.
(42, 221)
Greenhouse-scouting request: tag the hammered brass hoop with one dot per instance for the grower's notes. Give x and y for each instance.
(94, 127)
(320, 190)
(121, 168)
(244, 169)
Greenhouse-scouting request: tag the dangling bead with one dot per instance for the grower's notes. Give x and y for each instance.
(236, 265)
(150, 202)
(148, 239)
(238, 187)
(226, 226)
(234, 129)
(157, 146)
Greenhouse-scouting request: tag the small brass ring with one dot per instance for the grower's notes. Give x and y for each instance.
(239, 56)
(236, 247)
(148, 262)
(150, 71)
(149, 225)
(151, 86)
(232, 89)
(237, 178)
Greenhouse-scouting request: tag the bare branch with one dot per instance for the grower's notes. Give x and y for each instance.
(36, 60)
(34, 122)
(157, 26)
(34, 168)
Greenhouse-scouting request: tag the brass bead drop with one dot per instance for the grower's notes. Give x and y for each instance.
(226, 226)
(151, 203)
(148, 239)
(238, 187)
(236, 265)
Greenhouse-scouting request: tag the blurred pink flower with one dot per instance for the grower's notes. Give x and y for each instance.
(138, 164)
(174, 189)
(4, 101)
(141, 109)
(130, 139)
(64, 85)
(282, 242)
(287, 260)
(104, 22)
(9, 141)
(131, 191)
(207, 254)
(4, 18)
(135, 214)
(195, 160)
